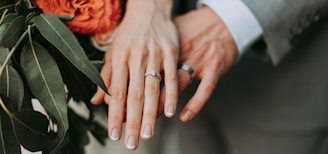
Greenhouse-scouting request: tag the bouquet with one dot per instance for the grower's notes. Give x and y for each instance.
(46, 54)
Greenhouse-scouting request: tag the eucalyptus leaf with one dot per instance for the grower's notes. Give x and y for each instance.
(8, 141)
(27, 101)
(3, 54)
(78, 132)
(31, 128)
(13, 32)
(79, 86)
(46, 84)
(10, 17)
(64, 40)
(11, 86)
(3, 29)
(98, 64)
(23, 7)
(66, 17)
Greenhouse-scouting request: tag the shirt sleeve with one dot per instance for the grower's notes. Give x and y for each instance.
(240, 21)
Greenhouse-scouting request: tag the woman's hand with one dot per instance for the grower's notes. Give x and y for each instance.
(146, 40)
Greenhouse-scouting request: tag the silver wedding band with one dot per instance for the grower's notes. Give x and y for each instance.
(188, 69)
(154, 74)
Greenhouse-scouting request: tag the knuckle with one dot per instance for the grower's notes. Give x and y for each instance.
(133, 125)
(115, 119)
(155, 52)
(171, 96)
(197, 104)
(152, 89)
(171, 50)
(117, 94)
(150, 115)
(210, 87)
(118, 49)
(140, 45)
(171, 76)
(135, 96)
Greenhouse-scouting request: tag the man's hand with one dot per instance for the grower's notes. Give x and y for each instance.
(208, 47)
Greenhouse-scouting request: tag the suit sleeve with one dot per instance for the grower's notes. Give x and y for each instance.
(283, 22)
(230, 11)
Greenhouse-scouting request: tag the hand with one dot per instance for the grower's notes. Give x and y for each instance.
(145, 40)
(208, 47)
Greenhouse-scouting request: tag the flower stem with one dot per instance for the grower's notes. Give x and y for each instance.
(3, 106)
(7, 6)
(12, 51)
(3, 15)
(3, 66)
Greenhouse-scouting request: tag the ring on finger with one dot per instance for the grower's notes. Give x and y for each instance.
(154, 74)
(188, 69)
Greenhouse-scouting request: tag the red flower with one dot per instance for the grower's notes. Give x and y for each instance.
(90, 16)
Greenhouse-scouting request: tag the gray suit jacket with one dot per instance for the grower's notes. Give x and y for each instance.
(291, 91)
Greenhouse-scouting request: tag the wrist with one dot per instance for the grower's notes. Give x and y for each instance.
(142, 7)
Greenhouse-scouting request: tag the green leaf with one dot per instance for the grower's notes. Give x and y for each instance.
(78, 132)
(46, 84)
(13, 32)
(3, 29)
(31, 128)
(10, 17)
(64, 40)
(79, 86)
(8, 141)
(11, 86)
(3, 54)
(23, 7)
(66, 17)
(98, 64)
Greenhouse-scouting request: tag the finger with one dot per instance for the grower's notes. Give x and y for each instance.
(203, 93)
(184, 79)
(117, 99)
(134, 107)
(171, 84)
(106, 76)
(152, 90)
(160, 107)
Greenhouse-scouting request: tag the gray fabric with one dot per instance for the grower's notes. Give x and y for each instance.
(260, 108)
(290, 96)
(204, 135)
(284, 21)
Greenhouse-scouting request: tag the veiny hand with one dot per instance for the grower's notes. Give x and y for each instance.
(145, 40)
(208, 47)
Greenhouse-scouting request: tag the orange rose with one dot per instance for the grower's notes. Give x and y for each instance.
(90, 16)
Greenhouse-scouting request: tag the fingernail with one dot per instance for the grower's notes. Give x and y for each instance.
(186, 116)
(115, 135)
(170, 111)
(131, 143)
(93, 98)
(147, 133)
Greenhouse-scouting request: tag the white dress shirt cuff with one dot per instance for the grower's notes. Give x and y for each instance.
(240, 21)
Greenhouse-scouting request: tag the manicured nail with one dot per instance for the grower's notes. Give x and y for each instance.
(131, 143)
(186, 116)
(115, 135)
(170, 111)
(147, 133)
(93, 98)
